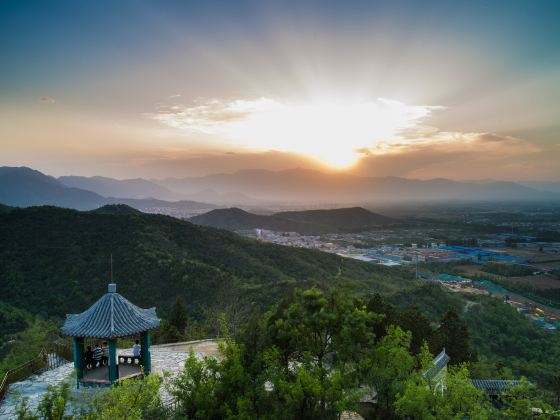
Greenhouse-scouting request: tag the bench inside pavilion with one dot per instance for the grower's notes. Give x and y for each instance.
(110, 318)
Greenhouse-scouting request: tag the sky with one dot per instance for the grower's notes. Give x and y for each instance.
(466, 90)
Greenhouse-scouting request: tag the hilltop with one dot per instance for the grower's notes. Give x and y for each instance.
(304, 222)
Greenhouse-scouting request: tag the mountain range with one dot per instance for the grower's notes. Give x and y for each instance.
(126, 188)
(305, 222)
(306, 186)
(21, 186)
(142, 188)
(24, 187)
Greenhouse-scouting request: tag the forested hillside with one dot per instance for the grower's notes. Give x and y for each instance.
(308, 222)
(55, 261)
(503, 342)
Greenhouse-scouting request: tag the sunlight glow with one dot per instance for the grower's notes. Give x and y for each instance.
(333, 132)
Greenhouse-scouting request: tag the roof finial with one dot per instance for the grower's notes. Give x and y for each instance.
(112, 286)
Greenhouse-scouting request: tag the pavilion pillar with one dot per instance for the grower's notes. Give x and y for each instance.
(79, 357)
(113, 372)
(145, 352)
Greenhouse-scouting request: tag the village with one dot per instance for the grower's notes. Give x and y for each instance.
(437, 261)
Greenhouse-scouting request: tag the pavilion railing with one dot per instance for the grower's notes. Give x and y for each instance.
(58, 354)
(23, 371)
(48, 358)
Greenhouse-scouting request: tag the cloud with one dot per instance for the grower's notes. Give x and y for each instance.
(483, 143)
(205, 118)
(453, 155)
(373, 138)
(331, 131)
(47, 100)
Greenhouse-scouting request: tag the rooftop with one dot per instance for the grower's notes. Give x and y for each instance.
(112, 316)
(440, 362)
(494, 386)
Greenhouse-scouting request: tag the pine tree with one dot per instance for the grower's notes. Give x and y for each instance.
(453, 334)
(178, 315)
(416, 322)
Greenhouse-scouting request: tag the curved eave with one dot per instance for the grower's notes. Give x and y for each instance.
(102, 336)
(110, 317)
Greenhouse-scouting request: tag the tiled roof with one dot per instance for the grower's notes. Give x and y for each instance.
(111, 316)
(494, 386)
(440, 361)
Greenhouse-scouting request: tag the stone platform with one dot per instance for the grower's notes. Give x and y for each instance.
(168, 358)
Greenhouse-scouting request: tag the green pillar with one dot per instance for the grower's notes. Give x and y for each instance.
(79, 357)
(113, 373)
(145, 352)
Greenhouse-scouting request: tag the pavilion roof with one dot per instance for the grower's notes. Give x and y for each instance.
(111, 316)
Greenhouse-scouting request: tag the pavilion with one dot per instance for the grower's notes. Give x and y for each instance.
(108, 319)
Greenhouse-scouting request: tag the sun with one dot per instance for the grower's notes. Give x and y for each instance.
(333, 132)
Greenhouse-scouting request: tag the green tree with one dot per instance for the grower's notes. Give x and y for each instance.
(29, 343)
(555, 388)
(453, 334)
(525, 402)
(54, 405)
(418, 324)
(460, 398)
(484, 368)
(419, 399)
(378, 305)
(178, 315)
(195, 389)
(389, 365)
(457, 399)
(133, 399)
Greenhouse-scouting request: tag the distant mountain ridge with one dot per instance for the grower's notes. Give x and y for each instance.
(305, 186)
(25, 187)
(304, 222)
(126, 188)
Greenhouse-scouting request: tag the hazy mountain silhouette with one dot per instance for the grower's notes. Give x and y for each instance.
(24, 187)
(305, 186)
(126, 188)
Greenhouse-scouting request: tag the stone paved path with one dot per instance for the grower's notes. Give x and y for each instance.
(163, 359)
